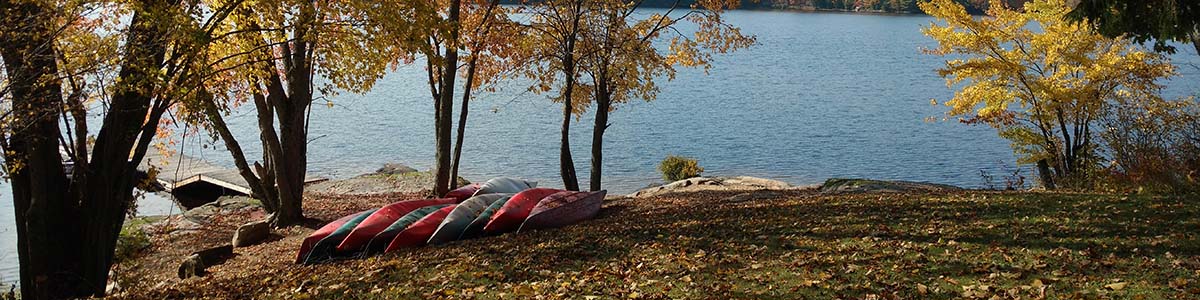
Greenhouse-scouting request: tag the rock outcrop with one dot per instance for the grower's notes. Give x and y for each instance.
(223, 205)
(394, 169)
(739, 183)
(843, 185)
(378, 183)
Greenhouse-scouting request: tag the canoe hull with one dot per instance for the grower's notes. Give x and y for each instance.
(505, 185)
(456, 222)
(562, 211)
(475, 228)
(419, 232)
(326, 249)
(385, 237)
(381, 219)
(510, 216)
(464, 192)
(317, 236)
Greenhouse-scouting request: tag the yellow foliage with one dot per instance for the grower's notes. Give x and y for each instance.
(1039, 79)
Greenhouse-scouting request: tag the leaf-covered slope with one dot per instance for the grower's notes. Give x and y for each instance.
(803, 244)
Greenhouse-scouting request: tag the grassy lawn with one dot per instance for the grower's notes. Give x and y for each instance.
(803, 245)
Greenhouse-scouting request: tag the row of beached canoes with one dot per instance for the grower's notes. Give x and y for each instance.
(500, 205)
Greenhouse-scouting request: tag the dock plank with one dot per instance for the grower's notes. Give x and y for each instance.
(180, 171)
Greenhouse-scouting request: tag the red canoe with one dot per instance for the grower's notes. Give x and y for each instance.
(565, 210)
(320, 234)
(510, 216)
(463, 192)
(418, 233)
(380, 220)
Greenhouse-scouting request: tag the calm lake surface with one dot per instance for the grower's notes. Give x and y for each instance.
(822, 95)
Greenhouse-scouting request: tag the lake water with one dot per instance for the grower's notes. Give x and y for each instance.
(822, 95)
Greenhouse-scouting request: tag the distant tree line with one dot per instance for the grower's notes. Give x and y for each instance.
(888, 6)
(976, 7)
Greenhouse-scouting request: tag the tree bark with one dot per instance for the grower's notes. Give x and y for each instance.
(42, 208)
(235, 149)
(1047, 176)
(110, 177)
(603, 102)
(565, 162)
(445, 104)
(462, 123)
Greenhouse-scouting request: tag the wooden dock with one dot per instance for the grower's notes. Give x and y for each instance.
(179, 172)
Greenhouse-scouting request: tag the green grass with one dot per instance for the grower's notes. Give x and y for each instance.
(132, 239)
(858, 246)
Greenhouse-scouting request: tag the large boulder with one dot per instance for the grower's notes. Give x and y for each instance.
(251, 233)
(844, 185)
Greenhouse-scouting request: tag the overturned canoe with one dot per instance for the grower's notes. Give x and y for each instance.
(317, 236)
(561, 209)
(454, 224)
(475, 228)
(464, 192)
(420, 231)
(327, 247)
(505, 185)
(385, 237)
(510, 216)
(381, 219)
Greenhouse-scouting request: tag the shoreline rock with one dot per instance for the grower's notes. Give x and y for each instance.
(737, 183)
(391, 178)
(851, 185)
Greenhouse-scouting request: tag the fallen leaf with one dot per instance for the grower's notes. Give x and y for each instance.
(1116, 286)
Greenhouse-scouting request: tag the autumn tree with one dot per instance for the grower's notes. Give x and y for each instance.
(488, 45)
(268, 55)
(551, 55)
(623, 62)
(68, 222)
(1042, 81)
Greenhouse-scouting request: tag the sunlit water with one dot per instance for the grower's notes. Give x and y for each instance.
(822, 95)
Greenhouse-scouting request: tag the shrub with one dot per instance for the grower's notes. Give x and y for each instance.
(132, 240)
(1154, 147)
(675, 168)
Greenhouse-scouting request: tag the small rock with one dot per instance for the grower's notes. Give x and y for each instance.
(251, 233)
(394, 169)
(112, 288)
(191, 267)
(196, 264)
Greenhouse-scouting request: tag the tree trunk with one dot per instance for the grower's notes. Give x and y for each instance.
(239, 157)
(566, 164)
(1047, 176)
(272, 152)
(45, 222)
(602, 106)
(462, 123)
(131, 119)
(445, 104)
